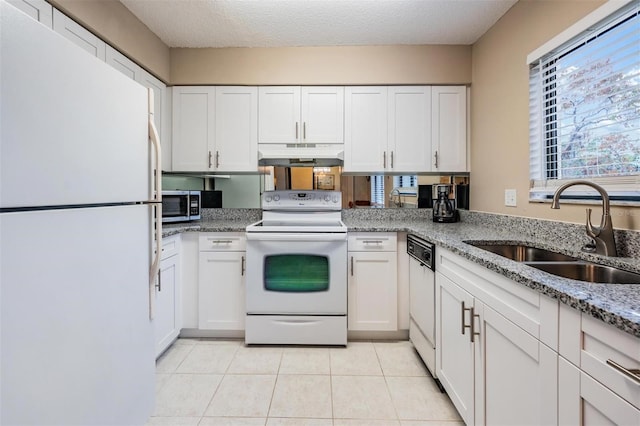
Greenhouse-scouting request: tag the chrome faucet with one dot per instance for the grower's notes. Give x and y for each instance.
(602, 236)
(395, 197)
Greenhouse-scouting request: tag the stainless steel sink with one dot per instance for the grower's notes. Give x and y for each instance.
(590, 272)
(524, 253)
(560, 264)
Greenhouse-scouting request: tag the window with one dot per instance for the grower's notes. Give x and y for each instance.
(584, 109)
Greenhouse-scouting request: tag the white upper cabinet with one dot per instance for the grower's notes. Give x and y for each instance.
(365, 130)
(123, 64)
(193, 128)
(322, 115)
(449, 128)
(409, 143)
(404, 128)
(39, 10)
(236, 133)
(215, 129)
(294, 114)
(79, 35)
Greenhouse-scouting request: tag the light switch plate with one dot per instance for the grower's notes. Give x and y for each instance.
(510, 197)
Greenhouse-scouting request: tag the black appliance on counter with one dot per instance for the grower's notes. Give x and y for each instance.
(211, 199)
(444, 208)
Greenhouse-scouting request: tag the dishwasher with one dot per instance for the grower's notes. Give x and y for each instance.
(422, 293)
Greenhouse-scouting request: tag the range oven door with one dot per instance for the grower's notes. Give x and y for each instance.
(296, 273)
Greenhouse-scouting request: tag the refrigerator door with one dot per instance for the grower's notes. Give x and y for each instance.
(77, 343)
(73, 130)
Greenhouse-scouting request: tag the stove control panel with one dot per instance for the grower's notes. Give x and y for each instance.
(302, 200)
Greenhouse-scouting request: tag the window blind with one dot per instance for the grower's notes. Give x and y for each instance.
(584, 109)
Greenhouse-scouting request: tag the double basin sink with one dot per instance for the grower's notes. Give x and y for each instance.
(560, 264)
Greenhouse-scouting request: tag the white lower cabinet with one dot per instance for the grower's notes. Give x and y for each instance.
(599, 372)
(167, 307)
(490, 358)
(585, 401)
(454, 350)
(372, 282)
(221, 282)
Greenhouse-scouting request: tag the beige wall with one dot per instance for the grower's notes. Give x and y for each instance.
(499, 110)
(344, 65)
(113, 22)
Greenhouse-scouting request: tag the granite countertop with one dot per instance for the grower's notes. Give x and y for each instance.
(615, 304)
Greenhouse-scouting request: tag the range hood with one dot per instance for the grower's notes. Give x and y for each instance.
(301, 155)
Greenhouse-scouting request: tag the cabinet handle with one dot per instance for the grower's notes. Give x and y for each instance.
(217, 159)
(159, 282)
(242, 267)
(392, 159)
(473, 317)
(351, 265)
(436, 157)
(304, 130)
(377, 242)
(221, 241)
(463, 327)
(633, 374)
(296, 130)
(210, 159)
(384, 159)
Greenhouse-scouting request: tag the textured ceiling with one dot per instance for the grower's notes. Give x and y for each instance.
(282, 23)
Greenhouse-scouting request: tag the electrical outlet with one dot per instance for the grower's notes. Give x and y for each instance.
(510, 197)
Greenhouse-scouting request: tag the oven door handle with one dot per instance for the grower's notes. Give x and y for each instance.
(296, 237)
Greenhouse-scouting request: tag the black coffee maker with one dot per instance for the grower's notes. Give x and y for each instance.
(444, 208)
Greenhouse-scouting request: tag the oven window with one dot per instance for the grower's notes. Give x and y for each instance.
(296, 273)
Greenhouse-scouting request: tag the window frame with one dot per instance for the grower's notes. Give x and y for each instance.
(623, 190)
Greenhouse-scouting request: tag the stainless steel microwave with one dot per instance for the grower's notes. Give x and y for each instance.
(180, 206)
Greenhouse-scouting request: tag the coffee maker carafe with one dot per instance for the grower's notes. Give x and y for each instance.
(444, 208)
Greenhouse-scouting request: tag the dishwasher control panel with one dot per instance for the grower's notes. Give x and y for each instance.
(421, 250)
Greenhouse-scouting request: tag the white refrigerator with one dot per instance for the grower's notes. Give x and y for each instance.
(78, 201)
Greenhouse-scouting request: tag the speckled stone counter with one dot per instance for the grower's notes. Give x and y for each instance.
(616, 304)
(215, 220)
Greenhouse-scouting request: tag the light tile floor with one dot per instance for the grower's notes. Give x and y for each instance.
(224, 383)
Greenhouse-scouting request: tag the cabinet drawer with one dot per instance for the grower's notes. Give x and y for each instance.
(234, 241)
(372, 241)
(170, 246)
(601, 343)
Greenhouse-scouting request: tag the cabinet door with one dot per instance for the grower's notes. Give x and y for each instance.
(193, 128)
(449, 128)
(123, 64)
(221, 296)
(373, 291)
(79, 35)
(236, 139)
(322, 115)
(39, 10)
(167, 321)
(585, 401)
(365, 135)
(409, 147)
(454, 349)
(279, 112)
(516, 376)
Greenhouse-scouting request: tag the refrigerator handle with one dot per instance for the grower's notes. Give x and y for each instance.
(156, 199)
